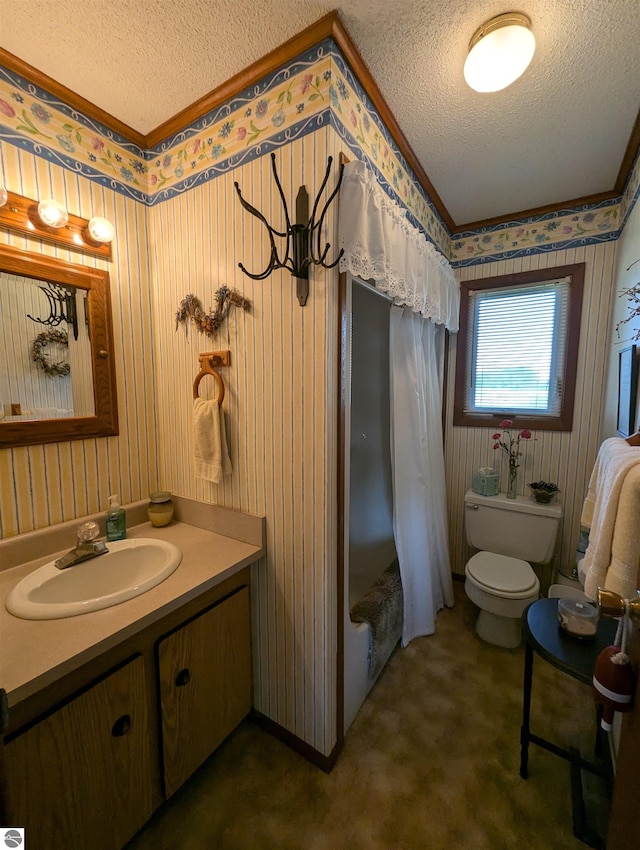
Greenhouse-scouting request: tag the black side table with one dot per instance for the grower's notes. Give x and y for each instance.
(544, 636)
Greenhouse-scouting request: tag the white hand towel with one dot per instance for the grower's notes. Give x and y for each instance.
(615, 458)
(211, 454)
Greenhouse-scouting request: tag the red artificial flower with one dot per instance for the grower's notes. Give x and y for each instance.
(496, 445)
(506, 423)
(525, 434)
(496, 436)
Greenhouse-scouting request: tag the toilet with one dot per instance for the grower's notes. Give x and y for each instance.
(510, 534)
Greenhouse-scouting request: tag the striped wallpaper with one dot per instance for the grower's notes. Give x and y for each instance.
(44, 485)
(21, 380)
(281, 403)
(564, 457)
(281, 416)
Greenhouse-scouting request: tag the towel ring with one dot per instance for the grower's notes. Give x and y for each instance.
(219, 381)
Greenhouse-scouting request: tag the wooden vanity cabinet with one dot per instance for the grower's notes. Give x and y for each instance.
(85, 761)
(80, 777)
(204, 670)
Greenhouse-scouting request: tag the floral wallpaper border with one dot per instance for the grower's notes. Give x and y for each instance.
(299, 98)
(246, 100)
(569, 228)
(237, 132)
(285, 137)
(292, 102)
(367, 137)
(316, 90)
(33, 119)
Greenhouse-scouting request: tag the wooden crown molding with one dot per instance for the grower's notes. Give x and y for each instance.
(80, 104)
(365, 78)
(288, 51)
(330, 26)
(535, 211)
(629, 157)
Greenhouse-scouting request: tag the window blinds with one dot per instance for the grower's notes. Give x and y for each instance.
(518, 344)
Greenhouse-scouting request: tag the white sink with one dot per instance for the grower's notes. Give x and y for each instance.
(130, 567)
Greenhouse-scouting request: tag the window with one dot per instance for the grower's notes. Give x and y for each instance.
(517, 349)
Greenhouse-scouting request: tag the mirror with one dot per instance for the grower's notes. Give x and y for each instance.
(57, 381)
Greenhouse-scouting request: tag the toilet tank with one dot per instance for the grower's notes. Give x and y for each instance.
(519, 528)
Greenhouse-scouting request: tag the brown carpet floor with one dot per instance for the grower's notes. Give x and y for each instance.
(430, 763)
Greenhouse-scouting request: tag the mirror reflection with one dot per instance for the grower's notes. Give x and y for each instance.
(45, 335)
(57, 376)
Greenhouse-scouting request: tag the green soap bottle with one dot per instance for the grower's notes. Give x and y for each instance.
(116, 521)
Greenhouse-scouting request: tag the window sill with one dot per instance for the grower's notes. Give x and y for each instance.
(493, 420)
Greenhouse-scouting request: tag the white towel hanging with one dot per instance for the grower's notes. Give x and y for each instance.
(211, 455)
(616, 458)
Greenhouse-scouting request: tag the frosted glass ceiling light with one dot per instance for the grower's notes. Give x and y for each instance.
(499, 52)
(100, 229)
(52, 213)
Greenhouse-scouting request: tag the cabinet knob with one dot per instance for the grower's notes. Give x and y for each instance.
(183, 677)
(121, 726)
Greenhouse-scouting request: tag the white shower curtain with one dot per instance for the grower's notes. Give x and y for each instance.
(417, 458)
(381, 245)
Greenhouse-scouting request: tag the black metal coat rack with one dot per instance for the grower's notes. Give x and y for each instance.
(62, 306)
(303, 246)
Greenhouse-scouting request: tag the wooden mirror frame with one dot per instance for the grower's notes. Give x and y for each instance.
(96, 283)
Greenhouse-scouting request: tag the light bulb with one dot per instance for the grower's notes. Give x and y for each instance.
(52, 213)
(101, 229)
(500, 52)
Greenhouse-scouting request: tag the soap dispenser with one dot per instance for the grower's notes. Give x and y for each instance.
(116, 522)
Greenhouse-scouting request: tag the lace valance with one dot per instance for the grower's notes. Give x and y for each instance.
(382, 246)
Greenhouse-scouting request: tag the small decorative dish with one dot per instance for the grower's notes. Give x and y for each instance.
(544, 491)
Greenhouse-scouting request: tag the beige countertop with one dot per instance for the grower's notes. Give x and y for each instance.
(34, 653)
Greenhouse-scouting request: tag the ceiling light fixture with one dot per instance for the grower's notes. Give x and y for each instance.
(52, 213)
(499, 52)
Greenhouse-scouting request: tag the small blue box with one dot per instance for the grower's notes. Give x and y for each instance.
(485, 485)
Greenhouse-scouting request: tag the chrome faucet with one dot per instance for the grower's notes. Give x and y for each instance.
(86, 547)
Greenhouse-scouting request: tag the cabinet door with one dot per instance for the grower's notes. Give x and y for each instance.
(80, 778)
(205, 685)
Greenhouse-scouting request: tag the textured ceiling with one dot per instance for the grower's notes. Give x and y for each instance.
(557, 134)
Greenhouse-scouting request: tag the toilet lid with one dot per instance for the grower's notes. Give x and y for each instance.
(501, 572)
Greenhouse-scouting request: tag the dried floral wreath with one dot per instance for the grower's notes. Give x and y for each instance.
(39, 355)
(190, 308)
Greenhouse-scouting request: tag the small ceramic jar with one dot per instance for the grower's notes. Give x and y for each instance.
(160, 510)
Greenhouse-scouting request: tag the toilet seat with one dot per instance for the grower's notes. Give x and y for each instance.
(499, 575)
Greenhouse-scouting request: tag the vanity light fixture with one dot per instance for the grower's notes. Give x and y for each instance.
(50, 221)
(499, 52)
(100, 229)
(52, 213)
